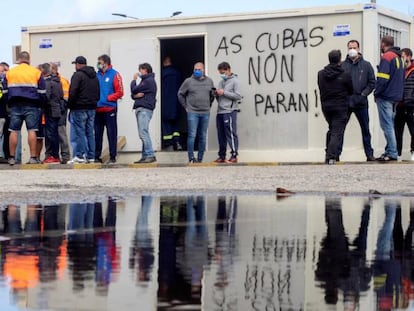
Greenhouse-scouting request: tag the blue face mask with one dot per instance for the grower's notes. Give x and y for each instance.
(197, 73)
(223, 76)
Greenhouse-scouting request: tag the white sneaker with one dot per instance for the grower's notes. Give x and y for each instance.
(412, 155)
(90, 161)
(76, 160)
(399, 159)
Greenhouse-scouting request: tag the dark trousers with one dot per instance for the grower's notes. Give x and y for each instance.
(337, 118)
(52, 135)
(363, 119)
(108, 120)
(403, 115)
(227, 133)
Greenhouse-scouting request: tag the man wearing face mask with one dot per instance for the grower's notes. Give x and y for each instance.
(227, 94)
(363, 82)
(388, 92)
(196, 95)
(111, 90)
(405, 109)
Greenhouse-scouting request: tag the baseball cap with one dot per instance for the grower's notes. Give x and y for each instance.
(80, 60)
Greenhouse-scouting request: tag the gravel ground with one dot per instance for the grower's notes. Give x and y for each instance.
(78, 185)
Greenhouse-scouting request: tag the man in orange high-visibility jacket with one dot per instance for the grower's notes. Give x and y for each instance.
(26, 93)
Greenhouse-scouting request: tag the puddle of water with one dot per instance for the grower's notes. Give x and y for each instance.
(209, 253)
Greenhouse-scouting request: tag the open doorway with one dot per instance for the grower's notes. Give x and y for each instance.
(183, 52)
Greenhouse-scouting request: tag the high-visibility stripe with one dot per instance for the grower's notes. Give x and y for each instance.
(176, 134)
(397, 62)
(383, 75)
(10, 85)
(167, 137)
(41, 91)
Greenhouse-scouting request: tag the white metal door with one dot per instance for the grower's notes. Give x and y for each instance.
(126, 55)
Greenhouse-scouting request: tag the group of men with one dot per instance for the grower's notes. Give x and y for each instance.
(40, 97)
(345, 86)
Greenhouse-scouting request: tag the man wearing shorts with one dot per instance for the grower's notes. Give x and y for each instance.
(26, 92)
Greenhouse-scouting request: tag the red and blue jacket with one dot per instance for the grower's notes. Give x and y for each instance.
(390, 76)
(111, 89)
(25, 85)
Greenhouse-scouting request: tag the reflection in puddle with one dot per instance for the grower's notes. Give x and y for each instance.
(209, 253)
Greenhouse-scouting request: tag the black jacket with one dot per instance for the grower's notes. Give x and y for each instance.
(409, 87)
(363, 80)
(149, 88)
(54, 94)
(84, 89)
(335, 85)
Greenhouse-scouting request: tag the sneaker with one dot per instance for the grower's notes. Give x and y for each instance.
(98, 160)
(370, 158)
(33, 161)
(385, 158)
(90, 160)
(412, 155)
(111, 161)
(146, 160)
(51, 160)
(177, 146)
(233, 159)
(193, 160)
(76, 160)
(220, 160)
(12, 161)
(331, 162)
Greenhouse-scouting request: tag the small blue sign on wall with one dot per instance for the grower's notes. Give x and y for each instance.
(45, 44)
(342, 30)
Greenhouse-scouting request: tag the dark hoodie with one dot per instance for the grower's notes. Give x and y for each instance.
(54, 94)
(84, 89)
(390, 76)
(335, 85)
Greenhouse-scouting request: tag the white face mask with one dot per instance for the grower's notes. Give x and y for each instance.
(352, 53)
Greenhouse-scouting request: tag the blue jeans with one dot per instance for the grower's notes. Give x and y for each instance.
(143, 119)
(83, 123)
(386, 112)
(197, 124)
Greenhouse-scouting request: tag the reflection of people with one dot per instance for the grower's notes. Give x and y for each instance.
(195, 254)
(142, 251)
(335, 85)
(363, 81)
(81, 246)
(225, 240)
(170, 108)
(106, 249)
(228, 95)
(196, 96)
(387, 265)
(144, 96)
(339, 266)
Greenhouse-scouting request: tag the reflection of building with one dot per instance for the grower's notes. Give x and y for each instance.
(283, 48)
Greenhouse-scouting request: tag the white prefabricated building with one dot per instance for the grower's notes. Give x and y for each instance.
(276, 55)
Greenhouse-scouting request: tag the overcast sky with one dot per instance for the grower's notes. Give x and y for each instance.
(16, 14)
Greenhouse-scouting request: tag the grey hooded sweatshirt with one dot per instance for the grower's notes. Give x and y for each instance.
(228, 101)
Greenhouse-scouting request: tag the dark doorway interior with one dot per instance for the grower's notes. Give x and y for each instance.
(184, 53)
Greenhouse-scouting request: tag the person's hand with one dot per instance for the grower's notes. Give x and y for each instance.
(135, 76)
(139, 95)
(220, 92)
